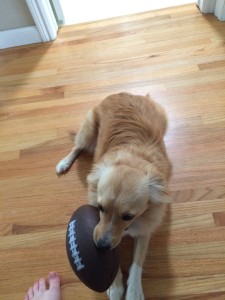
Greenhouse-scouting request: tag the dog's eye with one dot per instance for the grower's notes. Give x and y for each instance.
(100, 207)
(127, 217)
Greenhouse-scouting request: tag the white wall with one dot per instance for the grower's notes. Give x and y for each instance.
(79, 11)
(14, 14)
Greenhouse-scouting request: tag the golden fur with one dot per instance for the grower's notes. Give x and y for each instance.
(130, 174)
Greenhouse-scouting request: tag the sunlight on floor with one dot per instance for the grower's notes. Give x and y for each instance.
(89, 10)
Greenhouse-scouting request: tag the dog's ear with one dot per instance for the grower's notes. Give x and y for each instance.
(157, 189)
(94, 179)
(98, 171)
(94, 176)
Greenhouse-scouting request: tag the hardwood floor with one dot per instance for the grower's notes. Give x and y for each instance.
(178, 56)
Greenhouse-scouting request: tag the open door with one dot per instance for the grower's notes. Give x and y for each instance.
(213, 6)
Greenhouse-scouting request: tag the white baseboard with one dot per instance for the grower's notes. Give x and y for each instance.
(19, 36)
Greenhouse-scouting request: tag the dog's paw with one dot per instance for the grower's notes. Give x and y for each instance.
(115, 292)
(134, 292)
(134, 286)
(62, 166)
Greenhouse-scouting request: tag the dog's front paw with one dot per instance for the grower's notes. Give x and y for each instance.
(62, 166)
(134, 286)
(134, 292)
(115, 292)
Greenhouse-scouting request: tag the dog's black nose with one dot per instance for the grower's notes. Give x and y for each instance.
(103, 245)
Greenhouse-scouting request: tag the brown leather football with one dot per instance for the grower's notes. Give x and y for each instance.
(95, 268)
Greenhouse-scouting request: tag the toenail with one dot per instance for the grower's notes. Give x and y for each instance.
(52, 275)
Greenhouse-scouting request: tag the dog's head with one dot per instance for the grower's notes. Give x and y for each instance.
(123, 195)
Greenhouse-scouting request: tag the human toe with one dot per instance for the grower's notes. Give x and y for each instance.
(42, 285)
(35, 288)
(54, 280)
(30, 293)
(26, 297)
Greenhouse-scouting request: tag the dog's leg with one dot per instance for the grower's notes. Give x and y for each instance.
(116, 290)
(85, 140)
(67, 161)
(134, 286)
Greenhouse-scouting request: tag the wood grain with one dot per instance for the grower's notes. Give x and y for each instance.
(176, 55)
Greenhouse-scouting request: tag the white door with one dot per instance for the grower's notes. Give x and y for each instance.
(213, 6)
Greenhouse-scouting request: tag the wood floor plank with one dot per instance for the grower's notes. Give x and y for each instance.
(219, 218)
(9, 155)
(184, 285)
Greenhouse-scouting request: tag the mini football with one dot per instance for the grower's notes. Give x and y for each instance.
(95, 268)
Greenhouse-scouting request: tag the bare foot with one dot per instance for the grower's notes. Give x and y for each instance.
(39, 291)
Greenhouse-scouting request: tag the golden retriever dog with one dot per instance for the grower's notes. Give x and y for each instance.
(129, 179)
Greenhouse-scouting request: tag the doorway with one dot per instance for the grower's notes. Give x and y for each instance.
(88, 10)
